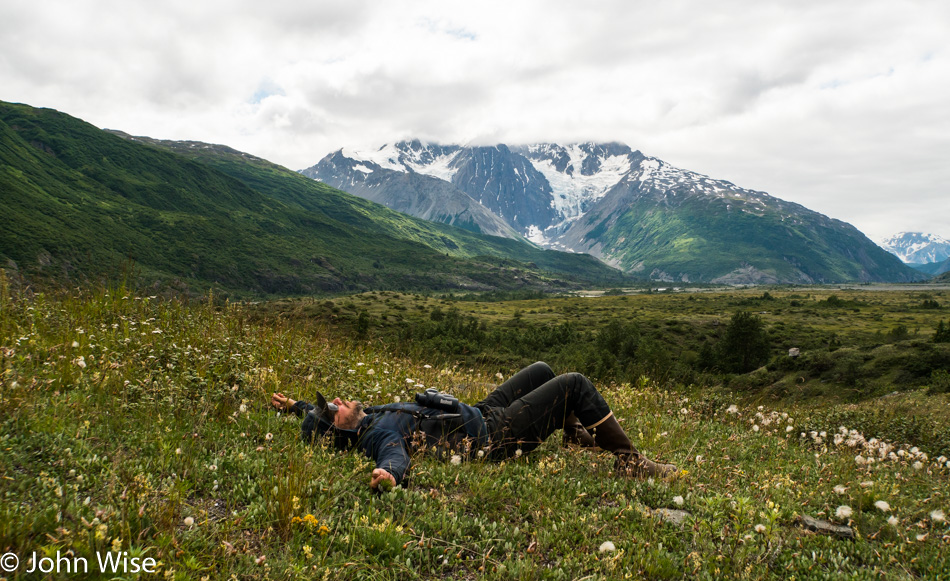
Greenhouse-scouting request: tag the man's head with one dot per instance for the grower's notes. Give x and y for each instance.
(338, 419)
(348, 414)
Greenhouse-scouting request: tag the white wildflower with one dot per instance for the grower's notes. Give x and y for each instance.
(606, 547)
(75, 344)
(892, 520)
(733, 409)
(921, 538)
(840, 489)
(456, 459)
(189, 521)
(882, 505)
(755, 427)
(938, 516)
(518, 453)
(678, 500)
(859, 460)
(269, 436)
(843, 511)
(789, 429)
(760, 528)
(918, 465)
(243, 408)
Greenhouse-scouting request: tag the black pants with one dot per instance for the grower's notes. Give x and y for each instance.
(523, 411)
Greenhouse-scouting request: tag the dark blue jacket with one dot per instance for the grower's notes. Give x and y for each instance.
(389, 434)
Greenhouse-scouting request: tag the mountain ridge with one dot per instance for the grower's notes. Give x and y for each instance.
(635, 212)
(82, 202)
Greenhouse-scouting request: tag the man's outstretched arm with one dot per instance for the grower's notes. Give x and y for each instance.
(388, 450)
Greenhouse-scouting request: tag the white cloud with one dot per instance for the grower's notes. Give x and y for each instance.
(837, 105)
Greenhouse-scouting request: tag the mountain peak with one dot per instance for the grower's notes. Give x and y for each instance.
(630, 210)
(917, 247)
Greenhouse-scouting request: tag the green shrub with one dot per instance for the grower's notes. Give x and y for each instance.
(939, 381)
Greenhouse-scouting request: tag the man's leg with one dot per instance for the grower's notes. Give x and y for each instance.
(576, 435)
(518, 385)
(530, 419)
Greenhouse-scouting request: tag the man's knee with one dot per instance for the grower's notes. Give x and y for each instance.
(578, 381)
(538, 373)
(541, 368)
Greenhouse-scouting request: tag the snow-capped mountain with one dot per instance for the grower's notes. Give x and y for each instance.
(632, 211)
(412, 179)
(917, 247)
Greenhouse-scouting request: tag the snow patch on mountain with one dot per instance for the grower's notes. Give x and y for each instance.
(573, 191)
(386, 157)
(408, 157)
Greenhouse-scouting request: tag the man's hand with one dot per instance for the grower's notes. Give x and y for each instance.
(281, 401)
(382, 480)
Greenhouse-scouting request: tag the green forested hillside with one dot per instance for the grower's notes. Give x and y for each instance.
(700, 238)
(300, 191)
(81, 202)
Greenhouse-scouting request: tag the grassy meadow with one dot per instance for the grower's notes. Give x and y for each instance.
(138, 424)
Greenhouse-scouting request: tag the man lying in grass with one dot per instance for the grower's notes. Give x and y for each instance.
(514, 419)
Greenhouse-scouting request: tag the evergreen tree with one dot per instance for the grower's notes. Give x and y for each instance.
(745, 345)
(943, 333)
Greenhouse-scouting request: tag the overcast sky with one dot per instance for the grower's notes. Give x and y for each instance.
(842, 106)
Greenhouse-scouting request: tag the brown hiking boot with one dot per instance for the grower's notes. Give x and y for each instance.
(639, 466)
(610, 436)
